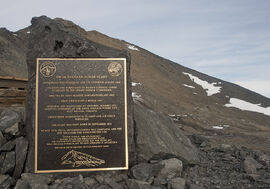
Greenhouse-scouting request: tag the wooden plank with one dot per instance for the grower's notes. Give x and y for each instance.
(14, 78)
(13, 83)
(12, 100)
(12, 97)
(12, 93)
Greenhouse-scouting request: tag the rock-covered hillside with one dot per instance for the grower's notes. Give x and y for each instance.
(186, 133)
(196, 100)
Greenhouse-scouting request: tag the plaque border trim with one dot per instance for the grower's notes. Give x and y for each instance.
(36, 119)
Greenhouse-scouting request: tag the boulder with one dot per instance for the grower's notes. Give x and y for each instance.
(2, 139)
(198, 139)
(9, 146)
(113, 184)
(2, 158)
(264, 159)
(21, 184)
(122, 177)
(226, 148)
(13, 130)
(21, 152)
(158, 137)
(136, 184)
(37, 181)
(171, 168)
(90, 182)
(159, 181)
(177, 183)
(72, 182)
(8, 118)
(144, 171)
(9, 163)
(251, 165)
(6, 182)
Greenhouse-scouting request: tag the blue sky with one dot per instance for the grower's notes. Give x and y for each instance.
(226, 39)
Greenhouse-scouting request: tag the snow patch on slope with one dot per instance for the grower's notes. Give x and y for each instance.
(132, 47)
(189, 86)
(220, 127)
(243, 105)
(210, 88)
(133, 84)
(136, 96)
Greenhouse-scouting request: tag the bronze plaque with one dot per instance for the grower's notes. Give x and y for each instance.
(81, 115)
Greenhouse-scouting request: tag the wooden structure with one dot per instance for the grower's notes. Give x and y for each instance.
(12, 91)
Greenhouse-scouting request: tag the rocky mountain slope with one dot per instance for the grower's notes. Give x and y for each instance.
(227, 147)
(167, 87)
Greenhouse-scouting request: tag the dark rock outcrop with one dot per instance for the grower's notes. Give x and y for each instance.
(158, 138)
(21, 152)
(6, 182)
(50, 38)
(10, 145)
(8, 118)
(2, 139)
(9, 163)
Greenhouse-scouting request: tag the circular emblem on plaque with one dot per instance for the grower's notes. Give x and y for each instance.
(115, 69)
(47, 69)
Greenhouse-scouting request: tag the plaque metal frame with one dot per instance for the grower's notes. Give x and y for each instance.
(36, 118)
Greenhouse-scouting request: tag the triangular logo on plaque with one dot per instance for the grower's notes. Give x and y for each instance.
(77, 159)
